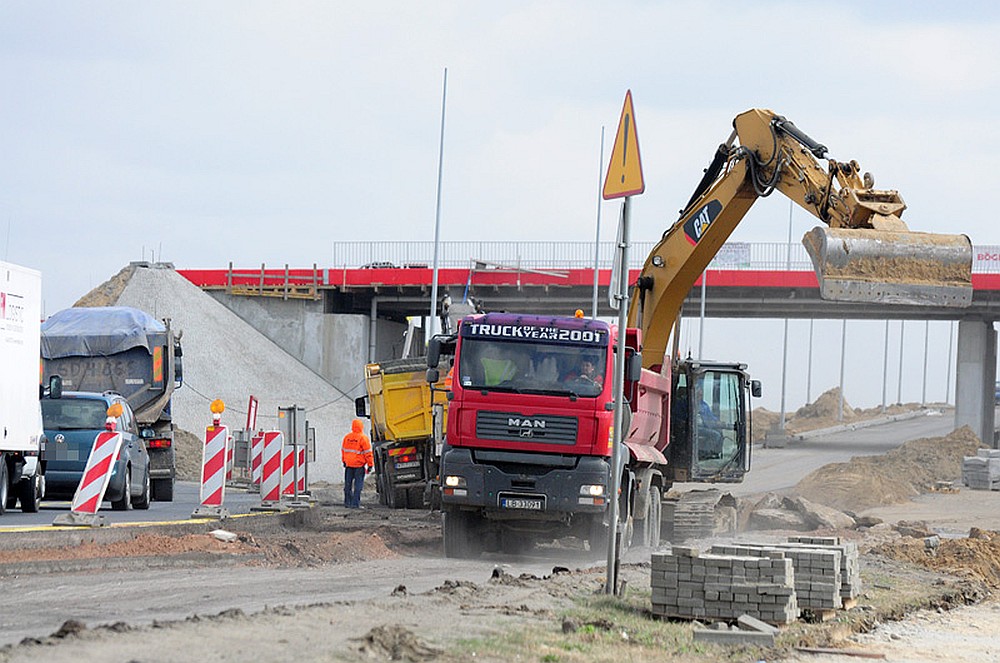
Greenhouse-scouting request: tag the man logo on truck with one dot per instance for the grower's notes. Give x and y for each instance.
(525, 424)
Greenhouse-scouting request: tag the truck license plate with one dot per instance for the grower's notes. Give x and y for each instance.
(400, 466)
(527, 503)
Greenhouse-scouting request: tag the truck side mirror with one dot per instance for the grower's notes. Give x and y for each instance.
(634, 369)
(433, 376)
(361, 406)
(433, 353)
(55, 386)
(755, 388)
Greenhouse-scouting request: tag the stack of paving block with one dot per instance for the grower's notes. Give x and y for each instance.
(817, 571)
(850, 561)
(982, 471)
(690, 585)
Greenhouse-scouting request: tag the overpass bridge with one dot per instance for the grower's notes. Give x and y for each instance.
(389, 282)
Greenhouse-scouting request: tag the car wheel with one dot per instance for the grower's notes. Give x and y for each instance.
(3, 485)
(126, 501)
(142, 502)
(30, 494)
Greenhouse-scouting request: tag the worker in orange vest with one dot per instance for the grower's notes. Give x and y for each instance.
(356, 452)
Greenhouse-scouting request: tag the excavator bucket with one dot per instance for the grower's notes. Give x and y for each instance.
(890, 266)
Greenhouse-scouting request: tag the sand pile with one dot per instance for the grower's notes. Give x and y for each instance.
(892, 477)
(977, 556)
(226, 358)
(825, 407)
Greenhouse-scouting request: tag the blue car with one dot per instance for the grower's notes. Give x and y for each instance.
(71, 423)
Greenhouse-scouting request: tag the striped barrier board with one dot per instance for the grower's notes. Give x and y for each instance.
(213, 466)
(256, 453)
(97, 473)
(270, 479)
(288, 471)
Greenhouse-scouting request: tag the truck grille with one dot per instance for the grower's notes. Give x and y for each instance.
(545, 429)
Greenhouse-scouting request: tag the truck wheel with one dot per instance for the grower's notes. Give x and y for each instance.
(4, 492)
(457, 531)
(162, 490)
(142, 502)
(649, 527)
(597, 539)
(397, 498)
(415, 498)
(126, 501)
(30, 494)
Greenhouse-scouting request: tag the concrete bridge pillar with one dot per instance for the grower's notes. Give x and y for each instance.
(976, 376)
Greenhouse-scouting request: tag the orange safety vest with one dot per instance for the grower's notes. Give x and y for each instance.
(356, 450)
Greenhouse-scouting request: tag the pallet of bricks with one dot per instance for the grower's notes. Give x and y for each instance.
(982, 471)
(772, 582)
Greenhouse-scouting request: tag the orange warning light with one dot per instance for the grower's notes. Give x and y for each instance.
(115, 410)
(217, 406)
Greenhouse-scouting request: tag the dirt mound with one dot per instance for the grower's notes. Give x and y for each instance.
(890, 478)
(977, 556)
(827, 406)
(187, 450)
(143, 545)
(762, 421)
(396, 643)
(107, 293)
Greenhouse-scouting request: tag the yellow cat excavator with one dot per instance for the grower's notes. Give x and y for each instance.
(864, 253)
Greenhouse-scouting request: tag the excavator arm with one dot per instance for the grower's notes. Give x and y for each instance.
(864, 253)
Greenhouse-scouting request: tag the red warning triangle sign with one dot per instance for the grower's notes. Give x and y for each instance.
(624, 176)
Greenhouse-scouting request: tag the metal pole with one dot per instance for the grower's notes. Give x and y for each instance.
(611, 583)
(885, 365)
(431, 324)
(947, 387)
(294, 428)
(843, 356)
(597, 241)
(784, 373)
(899, 386)
(923, 393)
(809, 368)
(701, 328)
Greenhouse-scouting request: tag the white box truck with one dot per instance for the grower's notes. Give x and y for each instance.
(21, 437)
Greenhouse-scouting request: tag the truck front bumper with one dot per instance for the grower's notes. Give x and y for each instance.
(516, 484)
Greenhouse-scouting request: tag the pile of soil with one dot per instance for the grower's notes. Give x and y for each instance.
(826, 407)
(893, 477)
(143, 545)
(976, 557)
(107, 293)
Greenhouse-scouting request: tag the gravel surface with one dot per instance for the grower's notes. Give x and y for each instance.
(226, 358)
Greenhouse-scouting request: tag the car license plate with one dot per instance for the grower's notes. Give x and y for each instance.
(525, 503)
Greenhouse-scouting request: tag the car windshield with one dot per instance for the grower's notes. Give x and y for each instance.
(73, 414)
(540, 368)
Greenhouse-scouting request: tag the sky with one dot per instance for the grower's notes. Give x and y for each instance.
(264, 132)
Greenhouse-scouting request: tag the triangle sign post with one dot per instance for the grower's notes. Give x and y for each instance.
(624, 177)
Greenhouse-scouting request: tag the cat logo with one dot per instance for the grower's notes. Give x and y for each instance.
(695, 227)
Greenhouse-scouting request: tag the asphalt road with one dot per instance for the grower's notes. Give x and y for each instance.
(186, 499)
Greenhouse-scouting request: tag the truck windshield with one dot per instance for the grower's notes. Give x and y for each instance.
(542, 368)
(716, 399)
(73, 414)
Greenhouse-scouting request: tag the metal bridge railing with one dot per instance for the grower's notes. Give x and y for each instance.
(775, 256)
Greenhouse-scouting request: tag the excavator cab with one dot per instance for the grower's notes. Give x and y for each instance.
(709, 422)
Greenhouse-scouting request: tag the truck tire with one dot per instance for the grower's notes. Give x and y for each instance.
(597, 538)
(4, 488)
(30, 494)
(649, 526)
(162, 490)
(456, 528)
(126, 501)
(397, 498)
(415, 497)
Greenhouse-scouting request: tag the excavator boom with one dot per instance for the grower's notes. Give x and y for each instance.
(863, 253)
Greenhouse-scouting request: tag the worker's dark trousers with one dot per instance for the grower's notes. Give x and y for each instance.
(354, 480)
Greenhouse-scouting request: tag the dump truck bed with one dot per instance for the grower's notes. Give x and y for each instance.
(400, 399)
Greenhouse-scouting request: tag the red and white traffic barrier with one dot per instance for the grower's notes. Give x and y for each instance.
(256, 454)
(290, 474)
(213, 466)
(270, 479)
(230, 455)
(96, 475)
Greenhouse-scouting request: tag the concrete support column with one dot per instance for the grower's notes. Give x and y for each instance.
(976, 375)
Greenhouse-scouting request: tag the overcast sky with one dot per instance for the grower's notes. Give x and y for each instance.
(263, 132)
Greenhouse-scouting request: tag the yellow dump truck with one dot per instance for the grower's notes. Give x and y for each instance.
(408, 422)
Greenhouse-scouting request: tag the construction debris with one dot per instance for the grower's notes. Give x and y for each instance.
(982, 471)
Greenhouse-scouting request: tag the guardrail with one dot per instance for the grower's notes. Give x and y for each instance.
(779, 256)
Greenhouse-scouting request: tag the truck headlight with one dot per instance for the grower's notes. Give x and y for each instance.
(592, 490)
(453, 481)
